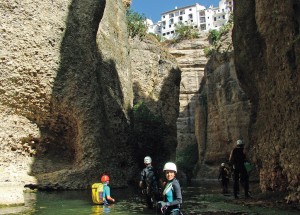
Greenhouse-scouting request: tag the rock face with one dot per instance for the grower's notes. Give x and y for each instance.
(66, 96)
(191, 60)
(267, 57)
(65, 93)
(214, 110)
(156, 80)
(222, 114)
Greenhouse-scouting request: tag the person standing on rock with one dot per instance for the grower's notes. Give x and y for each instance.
(240, 174)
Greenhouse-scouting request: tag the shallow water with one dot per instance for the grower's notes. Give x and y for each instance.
(202, 199)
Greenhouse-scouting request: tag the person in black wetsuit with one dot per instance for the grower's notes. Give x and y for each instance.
(172, 197)
(149, 182)
(224, 177)
(240, 174)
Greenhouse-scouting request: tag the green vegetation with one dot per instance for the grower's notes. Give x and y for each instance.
(217, 38)
(185, 31)
(148, 130)
(187, 159)
(136, 23)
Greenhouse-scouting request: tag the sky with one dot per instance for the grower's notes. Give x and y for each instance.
(153, 9)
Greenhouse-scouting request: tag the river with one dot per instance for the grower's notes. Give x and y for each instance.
(203, 198)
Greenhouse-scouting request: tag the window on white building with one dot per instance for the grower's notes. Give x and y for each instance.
(182, 12)
(190, 16)
(171, 15)
(171, 21)
(180, 18)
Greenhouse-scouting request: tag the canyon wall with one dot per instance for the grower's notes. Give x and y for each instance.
(222, 113)
(191, 60)
(66, 91)
(267, 58)
(69, 79)
(156, 83)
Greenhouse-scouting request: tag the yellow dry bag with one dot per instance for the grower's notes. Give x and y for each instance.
(97, 193)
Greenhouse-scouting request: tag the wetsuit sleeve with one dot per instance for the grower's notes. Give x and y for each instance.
(177, 194)
(142, 175)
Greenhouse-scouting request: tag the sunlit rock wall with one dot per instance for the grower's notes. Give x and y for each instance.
(65, 92)
(191, 60)
(222, 115)
(267, 57)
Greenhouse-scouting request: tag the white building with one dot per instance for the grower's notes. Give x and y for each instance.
(186, 15)
(194, 15)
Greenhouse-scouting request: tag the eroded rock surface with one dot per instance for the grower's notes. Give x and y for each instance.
(267, 57)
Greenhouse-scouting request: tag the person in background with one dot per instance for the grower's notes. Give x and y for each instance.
(224, 176)
(172, 197)
(240, 174)
(106, 190)
(149, 182)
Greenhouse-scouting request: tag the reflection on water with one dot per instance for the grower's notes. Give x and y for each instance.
(101, 209)
(202, 199)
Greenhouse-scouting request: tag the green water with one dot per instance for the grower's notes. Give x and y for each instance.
(203, 199)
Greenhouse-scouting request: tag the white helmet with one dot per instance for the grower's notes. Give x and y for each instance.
(222, 164)
(239, 142)
(170, 166)
(147, 160)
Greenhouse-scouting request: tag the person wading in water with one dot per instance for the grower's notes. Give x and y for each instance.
(240, 174)
(172, 192)
(149, 182)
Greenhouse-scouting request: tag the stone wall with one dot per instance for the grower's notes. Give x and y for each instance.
(267, 49)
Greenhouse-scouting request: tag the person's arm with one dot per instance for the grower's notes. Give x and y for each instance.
(108, 197)
(141, 183)
(177, 194)
(231, 157)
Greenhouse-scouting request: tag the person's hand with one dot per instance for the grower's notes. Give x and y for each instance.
(163, 204)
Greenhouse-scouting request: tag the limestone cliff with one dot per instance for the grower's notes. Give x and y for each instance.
(267, 58)
(191, 60)
(222, 113)
(66, 89)
(156, 79)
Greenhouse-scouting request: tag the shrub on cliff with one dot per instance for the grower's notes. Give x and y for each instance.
(136, 24)
(185, 31)
(219, 39)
